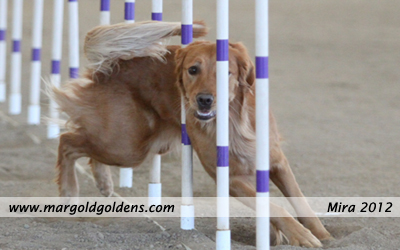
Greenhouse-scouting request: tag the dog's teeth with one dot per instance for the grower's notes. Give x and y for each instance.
(204, 114)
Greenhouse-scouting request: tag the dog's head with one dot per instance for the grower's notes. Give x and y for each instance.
(196, 71)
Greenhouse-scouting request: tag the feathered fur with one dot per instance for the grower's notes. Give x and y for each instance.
(105, 45)
(71, 100)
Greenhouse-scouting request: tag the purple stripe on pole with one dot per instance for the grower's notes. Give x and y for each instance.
(156, 16)
(55, 67)
(222, 156)
(262, 181)
(35, 54)
(16, 46)
(72, 0)
(187, 33)
(105, 5)
(73, 73)
(261, 67)
(223, 50)
(129, 11)
(2, 35)
(185, 136)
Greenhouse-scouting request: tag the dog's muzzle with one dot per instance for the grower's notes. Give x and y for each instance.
(204, 103)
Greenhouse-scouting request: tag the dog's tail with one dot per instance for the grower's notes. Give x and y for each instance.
(105, 45)
(73, 99)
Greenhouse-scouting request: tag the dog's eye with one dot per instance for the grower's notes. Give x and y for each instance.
(193, 70)
(230, 73)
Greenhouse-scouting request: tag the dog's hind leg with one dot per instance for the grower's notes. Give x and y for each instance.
(102, 176)
(70, 149)
(283, 177)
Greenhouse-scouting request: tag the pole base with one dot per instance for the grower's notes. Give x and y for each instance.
(2, 91)
(15, 104)
(187, 217)
(125, 177)
(34, 114)
(53, 131)
(223, 240)
(154, 194)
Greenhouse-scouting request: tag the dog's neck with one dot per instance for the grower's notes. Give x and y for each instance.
(242, 134)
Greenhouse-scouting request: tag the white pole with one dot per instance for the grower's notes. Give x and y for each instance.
(73, 39)
(125, 177)
(155, 181)
(104, 12)
(126, 174)
(36, 66)
(53, 129)
(187, 207)
(156, 10)
(155, 170)
(129, 11)
(223, 238)
(3, 49)
(262, 125)
(15, 88)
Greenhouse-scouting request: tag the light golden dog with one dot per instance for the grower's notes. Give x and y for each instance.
(127, 106)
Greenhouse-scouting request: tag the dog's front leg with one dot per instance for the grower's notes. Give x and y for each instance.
(243, 186)
(282, 175)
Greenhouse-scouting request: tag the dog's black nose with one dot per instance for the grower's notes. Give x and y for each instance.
(204, 101)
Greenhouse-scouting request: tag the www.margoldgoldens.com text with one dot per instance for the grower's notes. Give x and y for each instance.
(96, 208)
(203, 206)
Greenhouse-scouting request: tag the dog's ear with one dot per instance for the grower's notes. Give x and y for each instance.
(180, 55)
(245, 65)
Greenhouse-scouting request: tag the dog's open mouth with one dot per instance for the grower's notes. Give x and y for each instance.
(205, 115)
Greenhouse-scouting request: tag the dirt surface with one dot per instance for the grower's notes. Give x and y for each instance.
(334, 91)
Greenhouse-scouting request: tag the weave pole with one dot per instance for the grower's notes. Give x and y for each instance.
(53, 129)
(104, 12)
(156, 10)
(187, 207)
(15, 83)
(155, 181)
(126, 174)
(73, 39)
(129, 11)
(36, 65)
(223, 238)
(262, 125)
(3, 49)
(155, 187)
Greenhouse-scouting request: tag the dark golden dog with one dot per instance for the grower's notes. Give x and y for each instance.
(127, 106)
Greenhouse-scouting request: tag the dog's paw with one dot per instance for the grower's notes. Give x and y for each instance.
(69, 192)
(106, 187)
(316, 228)
(304, 239)
(69, 200)
(298, 235)
(106, 192)
(322, 234)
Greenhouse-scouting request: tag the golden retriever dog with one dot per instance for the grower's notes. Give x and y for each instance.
(126, 107)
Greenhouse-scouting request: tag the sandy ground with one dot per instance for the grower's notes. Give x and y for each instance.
(335, 93)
